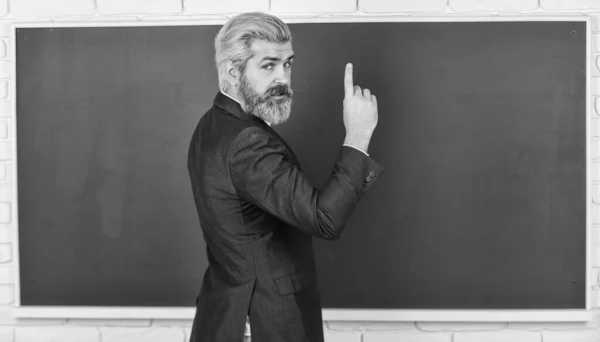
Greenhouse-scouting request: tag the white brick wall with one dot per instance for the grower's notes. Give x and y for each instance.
(7, 334)
(5, 108)
(389, 336)
(83, 330)
(497, 336)
(6, 234)
(572, 336)
(225, 6)
(4, 89)
(493, 5)
(5, 212)
(7, 294)
(386, 6)
(110, 7)
(45, 8)
(313, 6)
(436, 327)
(57, 334)
(559, 5)
(152, 334)
(5, 252)
(336, 336)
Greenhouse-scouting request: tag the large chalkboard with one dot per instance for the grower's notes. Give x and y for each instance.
(482, 133)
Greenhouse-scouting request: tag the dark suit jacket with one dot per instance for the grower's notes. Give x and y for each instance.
(258, 215)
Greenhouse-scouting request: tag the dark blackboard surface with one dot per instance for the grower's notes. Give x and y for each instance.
(481, 132)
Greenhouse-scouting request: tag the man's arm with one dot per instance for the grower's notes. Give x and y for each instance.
(261, 171)
(262, 174)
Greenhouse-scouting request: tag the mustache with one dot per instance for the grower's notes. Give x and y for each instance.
(279, 90)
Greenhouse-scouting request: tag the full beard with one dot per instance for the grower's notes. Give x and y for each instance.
(270, 109)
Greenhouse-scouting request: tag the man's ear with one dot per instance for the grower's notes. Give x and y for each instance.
(233, 74)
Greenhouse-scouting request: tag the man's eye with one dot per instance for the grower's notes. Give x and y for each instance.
(268, 66)
(288, 65)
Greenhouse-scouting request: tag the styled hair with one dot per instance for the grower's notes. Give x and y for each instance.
(235, 38)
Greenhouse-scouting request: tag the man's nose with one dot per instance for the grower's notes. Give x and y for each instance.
(282, 77)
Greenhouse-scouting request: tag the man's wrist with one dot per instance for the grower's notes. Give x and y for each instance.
(356, 148)
(359, 142)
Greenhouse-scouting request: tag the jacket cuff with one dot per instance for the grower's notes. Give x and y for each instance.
(362, 168)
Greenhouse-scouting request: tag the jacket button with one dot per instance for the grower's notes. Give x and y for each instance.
(368, 179)
(371, 174)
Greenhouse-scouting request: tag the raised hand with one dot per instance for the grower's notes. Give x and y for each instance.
(360, 112)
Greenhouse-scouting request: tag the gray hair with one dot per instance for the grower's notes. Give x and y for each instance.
(233, 41)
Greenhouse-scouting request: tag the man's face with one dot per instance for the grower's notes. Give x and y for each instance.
(265, 83)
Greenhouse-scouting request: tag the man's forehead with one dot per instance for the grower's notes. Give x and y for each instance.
(263, 48)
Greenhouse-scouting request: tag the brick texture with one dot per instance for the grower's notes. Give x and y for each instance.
(7, 334)
(498, 337)
(6, 274)
(154, 334)
(443, 326)
(4, 129)
(336, 336)
(4, 88)
(312, 6)
(572, 336)
(49, 8)
(6, 192)
(596, 166)
(225, 6)
(559, 5)
(7, 294)
(111, 7)
(596, 274)
(373, 326)
(407, 336)
(5, 108)
(56, 334)
(6, 234)
(3, 49)
(5, 69)
(5, 213)
(111, 322)
(385, 6)
(5, 253)
(493, 5)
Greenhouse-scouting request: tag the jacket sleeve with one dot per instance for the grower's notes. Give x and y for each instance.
(261, 173)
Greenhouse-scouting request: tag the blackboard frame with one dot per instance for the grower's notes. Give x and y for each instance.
(21, 311)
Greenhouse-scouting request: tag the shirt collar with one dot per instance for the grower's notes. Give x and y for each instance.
(231, 97)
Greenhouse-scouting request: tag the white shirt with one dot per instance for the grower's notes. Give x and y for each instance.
(268, 123)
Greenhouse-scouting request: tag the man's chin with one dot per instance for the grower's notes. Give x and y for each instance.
(274, 120)
(280, 120)
(276, 112)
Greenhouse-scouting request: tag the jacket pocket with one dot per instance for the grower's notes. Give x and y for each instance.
(290, 283)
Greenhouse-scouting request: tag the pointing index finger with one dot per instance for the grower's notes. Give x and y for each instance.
(348, 81)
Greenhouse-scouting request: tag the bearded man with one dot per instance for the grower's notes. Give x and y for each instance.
(257, 211)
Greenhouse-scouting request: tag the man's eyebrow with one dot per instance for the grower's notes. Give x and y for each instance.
(275, 59)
